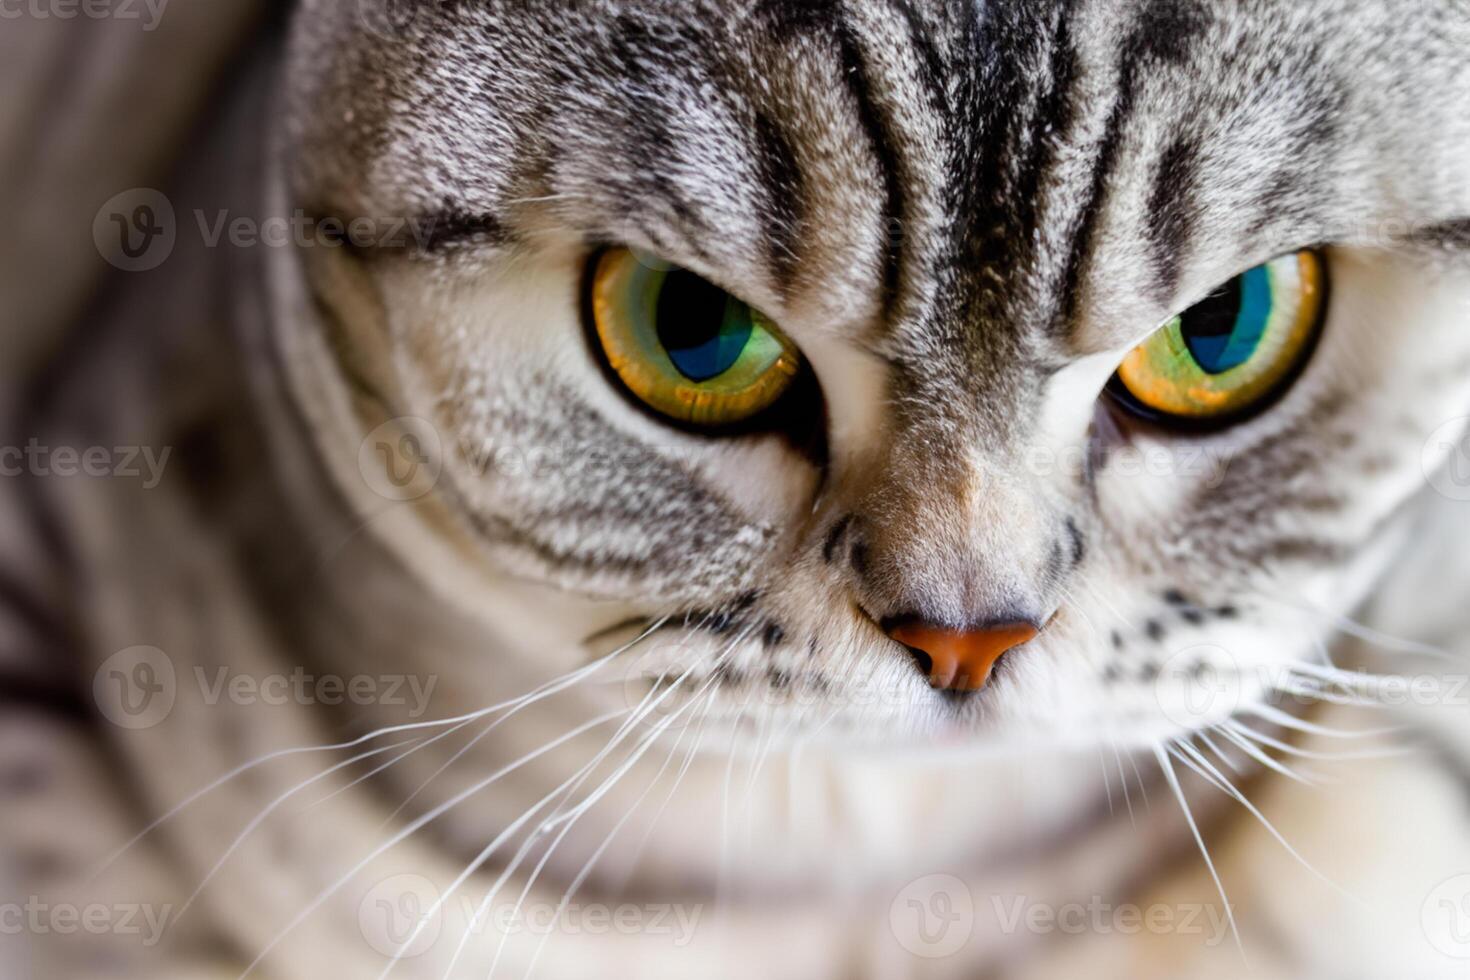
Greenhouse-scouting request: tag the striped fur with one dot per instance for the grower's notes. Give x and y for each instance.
(965, 214)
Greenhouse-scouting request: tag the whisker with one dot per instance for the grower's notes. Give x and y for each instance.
(649, 704)
(1161, 753)
(1231, 763)
(1123, 778)
(1255, 753)
(636, 854)
(1212, 775)
(344, 746)
(586, 869)
(1284, 720)
(382, 767)
(421, 822)
(264, 814)
(1289, 749)
(1351, 627)
(550, 688)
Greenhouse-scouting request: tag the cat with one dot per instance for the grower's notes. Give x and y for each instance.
(914, 592)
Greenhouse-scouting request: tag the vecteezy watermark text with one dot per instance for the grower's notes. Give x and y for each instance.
(39, 917)
(298, 687)
(137, 230)
(128, 462)
(148, 11)
(1098, 916)
(404, 916)
(137, 688)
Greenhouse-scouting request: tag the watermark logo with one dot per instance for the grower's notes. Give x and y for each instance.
(933, 917)
(1198, 686)
(1445, 918)
(402, 459)
(400, 916)
(136, 231)
(1446, 460)
(135, 688)
(406, 915)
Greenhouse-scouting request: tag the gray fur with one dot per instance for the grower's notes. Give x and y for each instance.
(965, 215)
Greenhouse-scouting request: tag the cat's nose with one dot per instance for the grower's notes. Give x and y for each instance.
(959, 660)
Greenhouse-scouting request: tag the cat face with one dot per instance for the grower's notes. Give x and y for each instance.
(959, 221)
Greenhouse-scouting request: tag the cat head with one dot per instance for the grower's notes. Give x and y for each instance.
(835, 349)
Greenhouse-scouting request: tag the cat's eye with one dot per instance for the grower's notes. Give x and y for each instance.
(683, 346)
(1232, 354)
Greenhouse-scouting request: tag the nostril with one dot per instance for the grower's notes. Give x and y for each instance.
(959, 660)
(925, 662)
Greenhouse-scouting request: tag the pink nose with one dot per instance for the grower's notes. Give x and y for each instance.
(962, 661)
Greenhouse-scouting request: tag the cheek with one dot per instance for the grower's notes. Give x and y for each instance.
(533, 429)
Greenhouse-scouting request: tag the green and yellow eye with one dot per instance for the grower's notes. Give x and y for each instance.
(683, 346)
(1234, 352)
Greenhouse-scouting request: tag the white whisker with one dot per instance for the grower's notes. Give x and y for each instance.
(1161, 753)
(274, 805)
(352, 744)
(421, 822)
(1281, 718)
(1255, 753)
(1210, 774)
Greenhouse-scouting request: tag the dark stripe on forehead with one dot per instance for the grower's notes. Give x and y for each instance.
(648, 144)
(932, 69)
(1084, 232)
(1164, 33)
(782, 202)
(1055, 116)
(860, 85)
(1016, 103)
(1167, 29)
(1170, 213)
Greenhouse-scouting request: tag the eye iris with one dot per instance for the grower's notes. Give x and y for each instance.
(1225, 330)
(684, 347)
(703, 328)
(1228, 355)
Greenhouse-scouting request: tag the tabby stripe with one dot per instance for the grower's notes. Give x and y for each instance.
(782, 207)
(19, 691)
(859, 83)
(993, 97)
(932, 72)
(650, 145)
(1453, 235)
(1169, 206)
(1055, 116)
(1163, 34)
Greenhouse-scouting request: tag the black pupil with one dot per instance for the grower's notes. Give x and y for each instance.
(691, 313)
(1214, 316)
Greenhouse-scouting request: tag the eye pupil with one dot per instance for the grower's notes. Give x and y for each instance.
(692, 352)
(1224, 330)
(703, 328)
